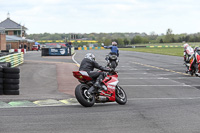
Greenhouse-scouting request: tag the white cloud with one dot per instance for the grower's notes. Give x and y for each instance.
(104, 16)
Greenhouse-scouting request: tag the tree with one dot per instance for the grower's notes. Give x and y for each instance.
(132, 41)
(108, 42)
(120, 42)
(126, 41)
(138, 39)
(168, 36)
(161, 40)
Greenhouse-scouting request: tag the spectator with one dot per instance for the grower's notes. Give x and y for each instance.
(25, 46)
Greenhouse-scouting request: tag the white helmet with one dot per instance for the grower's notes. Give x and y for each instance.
(90, 56)
(185, 45)
(114, 43)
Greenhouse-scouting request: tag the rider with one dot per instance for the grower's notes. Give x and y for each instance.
(113, 48)
(196, 51)
(188, 53)
(88, 64)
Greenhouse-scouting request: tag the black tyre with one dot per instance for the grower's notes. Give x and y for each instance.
(11, 76)
(1, 74)
(1, 86)
(1, 80)
(113, 64)
(82, 97)
(5, 64)
(1, 69)
(11, 81)
(11, 70)
(11, 86)
(11, 92)
(1, 91)
(120, 95)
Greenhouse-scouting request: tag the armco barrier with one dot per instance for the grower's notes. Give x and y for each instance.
(15, 59)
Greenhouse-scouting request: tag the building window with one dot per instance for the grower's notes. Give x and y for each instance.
(15, 33)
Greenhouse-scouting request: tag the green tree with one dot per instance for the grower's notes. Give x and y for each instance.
(168, 36)
(107, 42)
(120, 42)
(161, 40)
(138, 39)
(126, 41)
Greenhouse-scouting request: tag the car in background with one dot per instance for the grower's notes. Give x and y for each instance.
(35, 47)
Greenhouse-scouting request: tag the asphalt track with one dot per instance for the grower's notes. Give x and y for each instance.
(161, 99)
(44, 81)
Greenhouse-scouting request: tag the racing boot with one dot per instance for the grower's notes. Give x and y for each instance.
(97, 84)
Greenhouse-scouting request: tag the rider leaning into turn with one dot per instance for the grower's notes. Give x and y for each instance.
(113, 48)
(194, 61)
(188, 53)
(88, 64)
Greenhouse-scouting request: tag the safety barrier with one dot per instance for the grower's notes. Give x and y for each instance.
(15, 59)
(165, 46)
(17, 50)
(89, 48)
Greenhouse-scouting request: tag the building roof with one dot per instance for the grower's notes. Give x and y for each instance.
(10, 24)
(14, 38)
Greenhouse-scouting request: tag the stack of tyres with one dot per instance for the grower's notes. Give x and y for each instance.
(11, 81)
(1, 81)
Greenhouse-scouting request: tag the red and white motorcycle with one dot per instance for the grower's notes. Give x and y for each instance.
(110, 91)
(196, 66)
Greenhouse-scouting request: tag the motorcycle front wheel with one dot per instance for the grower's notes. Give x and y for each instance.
(120, 95)
(82, 96)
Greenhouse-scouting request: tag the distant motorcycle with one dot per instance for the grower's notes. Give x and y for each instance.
(196, 66)
(112, 61)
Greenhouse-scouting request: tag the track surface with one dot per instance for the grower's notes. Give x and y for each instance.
(161, 99)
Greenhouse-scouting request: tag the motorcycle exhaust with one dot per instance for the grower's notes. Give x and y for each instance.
(102, 98)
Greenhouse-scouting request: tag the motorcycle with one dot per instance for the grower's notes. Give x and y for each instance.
(196, 66)
(187, 64)
(112, 60)
(109, 92)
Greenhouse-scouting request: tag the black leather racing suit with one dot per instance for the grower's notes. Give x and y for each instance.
(89, 65)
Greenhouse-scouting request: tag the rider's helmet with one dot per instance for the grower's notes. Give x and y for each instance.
(90, 56)
(185, 45)
(114, 43)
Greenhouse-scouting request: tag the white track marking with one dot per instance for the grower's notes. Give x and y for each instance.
(75, 60)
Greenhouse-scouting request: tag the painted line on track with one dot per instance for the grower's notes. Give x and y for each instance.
(39, 103)
(48, 62)
(75, 60)
(170, 98)
(184, 85)
(160, 68)
(161, 78)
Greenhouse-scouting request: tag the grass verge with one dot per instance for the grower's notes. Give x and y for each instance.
(164, 51)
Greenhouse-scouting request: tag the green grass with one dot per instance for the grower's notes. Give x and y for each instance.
(164, 51)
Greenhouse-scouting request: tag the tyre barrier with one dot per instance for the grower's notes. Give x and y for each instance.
(1, 81)
(10, 81)
(14, 59)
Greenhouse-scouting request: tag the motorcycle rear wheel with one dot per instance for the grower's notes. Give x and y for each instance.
(113, 64)
(120, 95)
(82, 96)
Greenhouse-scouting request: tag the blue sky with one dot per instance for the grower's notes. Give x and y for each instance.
(86, 16)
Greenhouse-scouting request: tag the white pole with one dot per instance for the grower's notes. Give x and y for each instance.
(21, 30)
